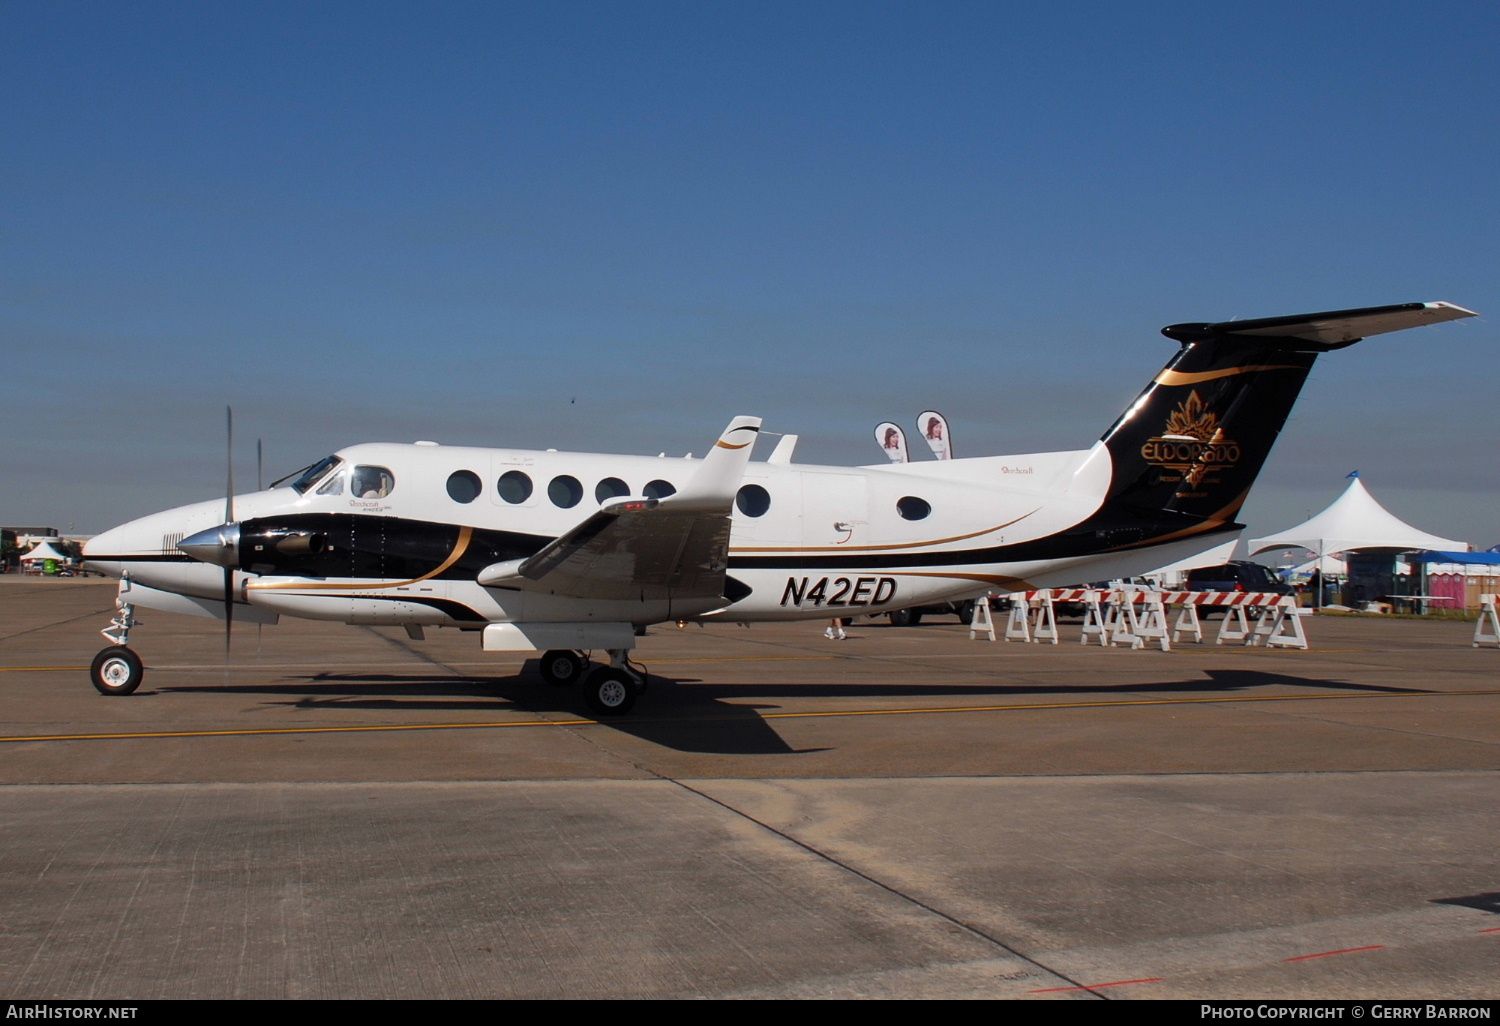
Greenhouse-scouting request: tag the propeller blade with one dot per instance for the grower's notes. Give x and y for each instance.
(229, 519)
(260, 468)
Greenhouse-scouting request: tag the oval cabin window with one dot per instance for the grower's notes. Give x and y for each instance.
(912, 508)
(565, 491)
(514, 487)
(610, 488)
(753, 500)
(464, 486)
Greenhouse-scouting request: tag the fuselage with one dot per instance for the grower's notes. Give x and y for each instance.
(374, 536)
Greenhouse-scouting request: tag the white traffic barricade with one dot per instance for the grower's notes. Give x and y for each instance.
(1187, 615)
(1093, 616)
(1487, 630)
(1044, 623)
(1121, 622)
(1032, 618)
(1138, 617)
(1277, 618)
(1280, 625)
(1018, 627)
(981, 620)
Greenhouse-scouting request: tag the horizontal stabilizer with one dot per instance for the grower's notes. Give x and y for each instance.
(1330, 329)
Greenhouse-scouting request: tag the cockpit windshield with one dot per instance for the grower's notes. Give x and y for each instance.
(315, 473)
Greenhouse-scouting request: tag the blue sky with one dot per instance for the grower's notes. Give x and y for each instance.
(609, 226)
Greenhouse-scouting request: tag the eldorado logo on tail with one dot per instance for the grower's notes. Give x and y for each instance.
(1192, 443)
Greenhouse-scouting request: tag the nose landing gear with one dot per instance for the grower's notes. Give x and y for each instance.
(117, 670)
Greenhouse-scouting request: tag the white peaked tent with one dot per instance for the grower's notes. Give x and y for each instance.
(44, 551)
(1355, 521)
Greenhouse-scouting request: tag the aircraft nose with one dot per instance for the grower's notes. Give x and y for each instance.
(219, 545)
(100, 544)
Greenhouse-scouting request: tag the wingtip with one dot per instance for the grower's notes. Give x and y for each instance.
(1450, 311)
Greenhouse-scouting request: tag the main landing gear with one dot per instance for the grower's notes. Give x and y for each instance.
(117, 670)
(561, 667)
(609, 690)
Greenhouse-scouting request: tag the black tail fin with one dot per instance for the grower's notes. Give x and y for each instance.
(1187, 451)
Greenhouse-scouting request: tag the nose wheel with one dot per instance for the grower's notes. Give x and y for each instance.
(117, 671)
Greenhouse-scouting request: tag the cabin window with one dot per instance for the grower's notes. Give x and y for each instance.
(313, 474)
(658, 490)
(753, 500)
(565, 491)
(514, 487)
(912, 508)
(464, 486)
(610, 488)
(371, 482)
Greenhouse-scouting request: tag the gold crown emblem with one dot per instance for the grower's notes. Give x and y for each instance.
(1194, 419)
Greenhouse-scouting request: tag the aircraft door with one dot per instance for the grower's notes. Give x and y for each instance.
(835, 510)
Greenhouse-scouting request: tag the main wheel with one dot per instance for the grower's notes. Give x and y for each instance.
(905, 617)
(610, 692)
(562, 667)
(965, 611)
(117, 671)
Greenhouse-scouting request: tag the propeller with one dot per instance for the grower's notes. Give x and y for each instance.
(229, 519)
(260, 486)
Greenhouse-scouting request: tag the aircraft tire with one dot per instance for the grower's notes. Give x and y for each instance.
(117, 671)
(965, 612)
(905, 617)
(610, 692)
(561, 667)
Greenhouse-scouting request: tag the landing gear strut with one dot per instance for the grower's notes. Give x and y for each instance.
(611, 690)
(117, 670)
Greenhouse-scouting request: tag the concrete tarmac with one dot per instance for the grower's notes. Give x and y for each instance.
(341, 812)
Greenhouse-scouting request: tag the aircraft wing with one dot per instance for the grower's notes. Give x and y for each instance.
(640, 549)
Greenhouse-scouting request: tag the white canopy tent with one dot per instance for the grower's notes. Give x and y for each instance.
(45, 551)
(1354, 521)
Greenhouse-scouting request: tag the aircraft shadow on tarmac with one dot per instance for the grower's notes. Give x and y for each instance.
(689, 715)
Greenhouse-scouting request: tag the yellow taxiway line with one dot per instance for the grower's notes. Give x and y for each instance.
(930, 710)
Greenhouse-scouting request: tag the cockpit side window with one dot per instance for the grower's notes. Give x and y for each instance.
(315, 473)
(371, 482)
(333, 486)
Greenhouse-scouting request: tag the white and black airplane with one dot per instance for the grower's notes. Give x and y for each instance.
(566, 553)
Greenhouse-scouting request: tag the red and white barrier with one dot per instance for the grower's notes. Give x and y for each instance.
(1136, 618)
